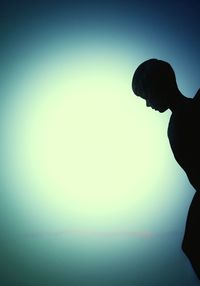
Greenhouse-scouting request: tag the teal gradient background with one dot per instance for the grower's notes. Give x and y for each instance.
(90, 191)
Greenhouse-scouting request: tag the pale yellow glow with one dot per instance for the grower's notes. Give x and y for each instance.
(85, 145)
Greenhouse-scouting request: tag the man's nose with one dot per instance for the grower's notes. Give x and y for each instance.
(147, 103)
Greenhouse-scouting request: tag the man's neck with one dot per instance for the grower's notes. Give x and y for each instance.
(179, 102)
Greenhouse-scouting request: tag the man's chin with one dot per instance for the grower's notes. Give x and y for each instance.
(162, 110)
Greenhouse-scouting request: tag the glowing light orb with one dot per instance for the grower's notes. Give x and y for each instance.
(83, 150)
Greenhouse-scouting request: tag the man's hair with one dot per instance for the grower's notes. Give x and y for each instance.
(153, 74)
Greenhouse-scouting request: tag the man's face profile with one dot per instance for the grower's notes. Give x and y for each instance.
(155, 99)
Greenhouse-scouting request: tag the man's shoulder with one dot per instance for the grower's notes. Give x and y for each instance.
(196, 98)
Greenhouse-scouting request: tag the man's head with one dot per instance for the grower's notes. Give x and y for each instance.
(154, 80)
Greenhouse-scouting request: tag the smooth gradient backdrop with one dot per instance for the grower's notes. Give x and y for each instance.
(90, 191)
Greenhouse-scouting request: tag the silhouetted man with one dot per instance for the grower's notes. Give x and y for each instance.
(154, 81)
